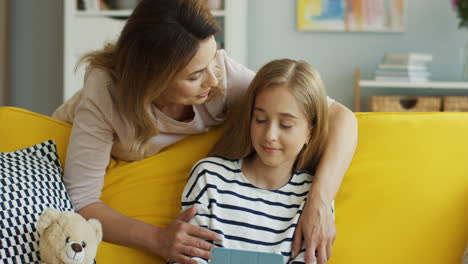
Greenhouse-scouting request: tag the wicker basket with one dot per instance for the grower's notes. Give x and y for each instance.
(404, 104)
(456, 104)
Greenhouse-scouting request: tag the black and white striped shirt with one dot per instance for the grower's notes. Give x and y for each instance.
(248, 217)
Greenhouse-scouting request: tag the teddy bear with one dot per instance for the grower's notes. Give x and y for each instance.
(67, 238)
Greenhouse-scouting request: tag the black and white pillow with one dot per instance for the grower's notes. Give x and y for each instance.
(30, 181)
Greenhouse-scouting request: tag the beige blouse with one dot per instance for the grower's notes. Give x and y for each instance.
(99, 131)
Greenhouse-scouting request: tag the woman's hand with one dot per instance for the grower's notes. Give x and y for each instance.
(316, 228)
(180, 238)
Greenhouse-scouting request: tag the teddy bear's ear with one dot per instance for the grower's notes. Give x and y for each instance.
(49, 216)
(96, 225)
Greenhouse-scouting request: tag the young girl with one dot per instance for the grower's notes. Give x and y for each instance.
(253, 192)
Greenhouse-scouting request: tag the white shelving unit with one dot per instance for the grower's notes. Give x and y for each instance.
(86, 31)
(398, 85)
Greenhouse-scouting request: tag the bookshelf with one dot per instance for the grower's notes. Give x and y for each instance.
(87, 30)
(358, 84)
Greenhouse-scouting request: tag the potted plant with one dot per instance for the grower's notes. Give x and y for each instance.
(461, 7)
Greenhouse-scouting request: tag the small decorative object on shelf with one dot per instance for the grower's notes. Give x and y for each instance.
(80, 5)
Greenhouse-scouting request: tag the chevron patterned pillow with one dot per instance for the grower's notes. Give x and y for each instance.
(30, 181)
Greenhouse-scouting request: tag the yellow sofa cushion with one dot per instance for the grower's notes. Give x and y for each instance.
(403, 200)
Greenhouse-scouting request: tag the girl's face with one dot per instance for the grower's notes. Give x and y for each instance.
(192, 85)
(279, 127)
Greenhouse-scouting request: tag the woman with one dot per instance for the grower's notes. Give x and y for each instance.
(163, 80)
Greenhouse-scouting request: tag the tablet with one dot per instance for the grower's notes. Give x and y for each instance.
(236, 256)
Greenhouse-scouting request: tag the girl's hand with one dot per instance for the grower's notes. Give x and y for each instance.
(317, 229)
(180, 238)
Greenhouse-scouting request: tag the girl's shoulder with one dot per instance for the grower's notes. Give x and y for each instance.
(217, 164)
(303, 176)
(214, 170)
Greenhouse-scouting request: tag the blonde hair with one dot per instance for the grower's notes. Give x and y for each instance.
(308, 89)
(158, 41)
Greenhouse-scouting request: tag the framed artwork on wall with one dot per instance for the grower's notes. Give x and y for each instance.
(351, 15)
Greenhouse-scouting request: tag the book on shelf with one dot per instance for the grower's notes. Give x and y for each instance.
(419, 59)
(403, 67)
(401, 79)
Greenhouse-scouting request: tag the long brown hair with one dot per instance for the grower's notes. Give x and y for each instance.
(158, 40)
(308, 89)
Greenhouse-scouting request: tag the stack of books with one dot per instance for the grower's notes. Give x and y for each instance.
(406, 67)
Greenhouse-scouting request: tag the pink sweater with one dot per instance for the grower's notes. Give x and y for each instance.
(99, 131)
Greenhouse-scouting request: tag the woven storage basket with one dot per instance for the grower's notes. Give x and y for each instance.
(404, 104)
(456, 104)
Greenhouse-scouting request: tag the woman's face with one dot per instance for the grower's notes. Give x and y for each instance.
(193, 84)
(279, 128)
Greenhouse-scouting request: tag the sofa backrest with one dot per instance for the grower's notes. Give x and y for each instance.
(20, 128)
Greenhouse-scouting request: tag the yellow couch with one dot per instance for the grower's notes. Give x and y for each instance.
(403, 200)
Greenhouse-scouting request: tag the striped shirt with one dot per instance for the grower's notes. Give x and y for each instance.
(248, 217)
